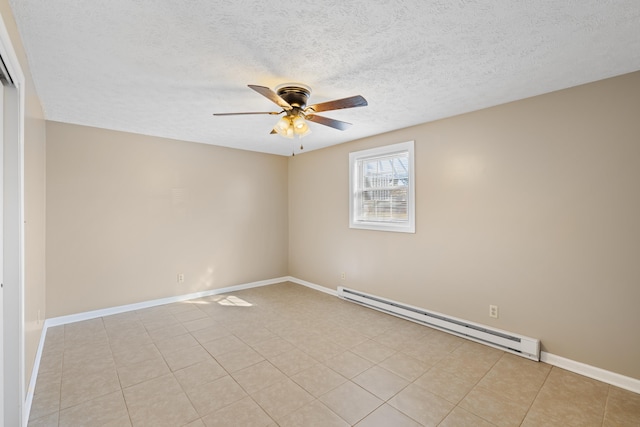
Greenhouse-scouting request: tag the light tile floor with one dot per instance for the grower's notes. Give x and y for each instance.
(286, 355)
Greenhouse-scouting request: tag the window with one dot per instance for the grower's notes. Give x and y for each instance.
(381, 181)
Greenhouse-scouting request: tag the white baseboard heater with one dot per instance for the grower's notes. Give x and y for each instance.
(513, 343)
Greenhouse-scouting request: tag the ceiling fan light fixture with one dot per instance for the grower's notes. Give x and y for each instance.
(300, 126)
(284, 127)
(299, 123)
(283, 124)
(290, 126)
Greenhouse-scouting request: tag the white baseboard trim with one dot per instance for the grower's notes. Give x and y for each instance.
(34, 374)
(63, 320)
(333, 292)
(88, 315)
(618, 380)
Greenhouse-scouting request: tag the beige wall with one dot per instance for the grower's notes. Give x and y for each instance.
(533, 206)
(126, 213)
(34, 200)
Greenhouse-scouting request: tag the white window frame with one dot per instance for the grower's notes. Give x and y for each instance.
(408, 226)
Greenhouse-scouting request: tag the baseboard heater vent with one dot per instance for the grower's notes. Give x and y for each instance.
(516, 344)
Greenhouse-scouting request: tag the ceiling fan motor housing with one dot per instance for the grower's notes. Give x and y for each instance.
(295, 94)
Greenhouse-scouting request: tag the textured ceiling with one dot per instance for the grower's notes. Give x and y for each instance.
(161, 67)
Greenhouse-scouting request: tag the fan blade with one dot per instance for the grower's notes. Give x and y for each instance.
(273, 113)
(272, 96)
(336, 124)
(352, 101)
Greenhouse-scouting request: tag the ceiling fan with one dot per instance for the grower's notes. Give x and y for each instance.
(292, 98)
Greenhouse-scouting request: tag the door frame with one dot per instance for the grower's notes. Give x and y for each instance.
(2, 257)
(13, 236)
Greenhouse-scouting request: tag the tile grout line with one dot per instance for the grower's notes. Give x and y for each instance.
(457, 405)
(64, 346)
(606, 404)
(546, 378)
(126, 405)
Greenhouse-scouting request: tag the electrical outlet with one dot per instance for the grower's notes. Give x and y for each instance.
(493, 311)
(343, 276)
(180, 277)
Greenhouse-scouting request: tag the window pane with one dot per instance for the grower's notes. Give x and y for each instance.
(383, 190)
